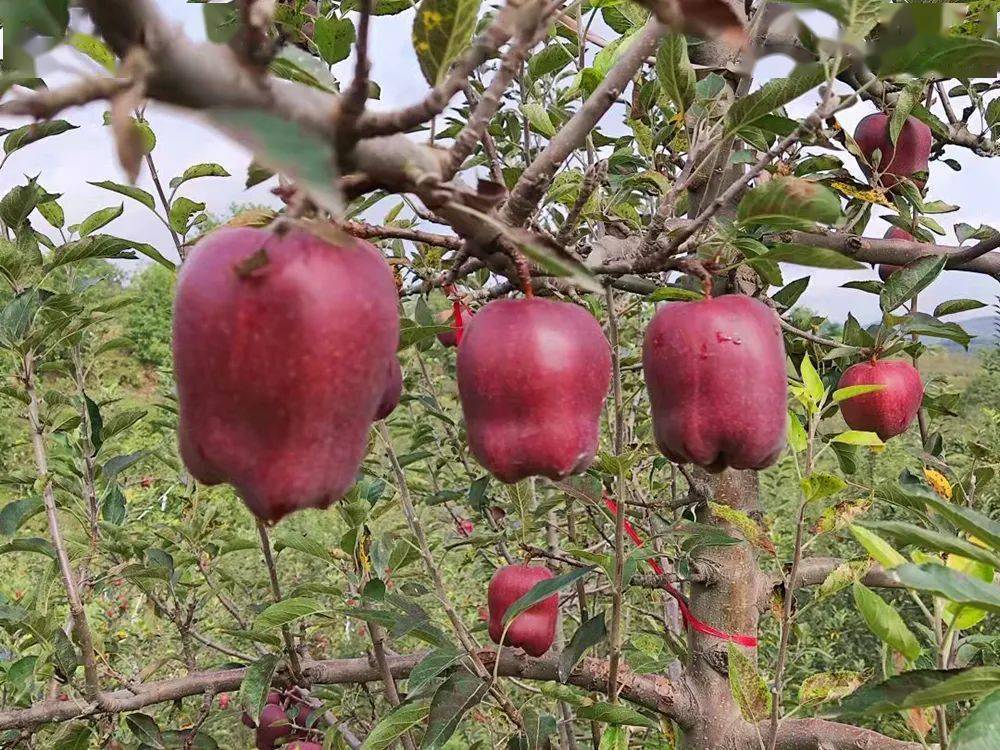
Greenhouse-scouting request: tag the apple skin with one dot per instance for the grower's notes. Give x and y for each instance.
(888, 412)
(393, 391)
(280, 369)
(532, 376)
(715, 373)
(534, 630)
(274, 725)
(449, 339)
(910, 155)
(885, 270)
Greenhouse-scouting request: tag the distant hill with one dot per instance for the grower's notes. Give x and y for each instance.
(985, 328)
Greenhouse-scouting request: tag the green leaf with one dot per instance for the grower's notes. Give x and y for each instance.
(615, 713)
(538, 118)
(614, 738)
(674, 72)
(456, 696)
(590, 633)
(789, 294)
(288, 148)
(100, 219)
(543, 590)
(805, 255)
(17, 512)
(28, 134)
(181, 212)
(950, 584)
(198, 171)
(432, 666)
(92, 246)
(929, 539)
(750, 110)
(923, 324)
(885, 622)
(812, 382)
(551, 58)
(797, 437)
(748, 687)
(842, 394)
(879, 549)
(789, 203)
(857, 437)
(919, 688)
(145, 729)
(909, 280)
(828, 686)
(129, 191)
(674, 294)
(442, 29)
(909, 96)
(948, 56)
(395, 724)
(981, 726)
(113, 505)
(953, 306)
(95, 49)
(970, 521)
(256, 684)
(285, 612)
(821, 484)
(334, 37)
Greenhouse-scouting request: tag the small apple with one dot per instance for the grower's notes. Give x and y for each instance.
(282, 344)
(224, 701)
(450, 339)
(908, 156)
(464, 527)
(533, 630)
(885, 270)
(393, 391)
(715, 372)
(890, 411)
(532, 377)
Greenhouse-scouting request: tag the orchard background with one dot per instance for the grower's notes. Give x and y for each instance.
(624, 157)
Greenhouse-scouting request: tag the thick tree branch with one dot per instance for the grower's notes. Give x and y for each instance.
(814, 570)
(818, 734)
(896, 252)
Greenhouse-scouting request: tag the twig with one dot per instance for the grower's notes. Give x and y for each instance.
(272, 572)
(368, 231)
(352, 104)
(203, 714)
(592, 180)
(464, 636)
(489, 145)
(77, 612)
(619, 443)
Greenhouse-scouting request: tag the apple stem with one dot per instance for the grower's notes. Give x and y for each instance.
(524, 274)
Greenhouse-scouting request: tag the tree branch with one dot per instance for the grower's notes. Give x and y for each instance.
(814, 570)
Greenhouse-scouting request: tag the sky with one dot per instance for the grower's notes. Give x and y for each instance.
(66, 163)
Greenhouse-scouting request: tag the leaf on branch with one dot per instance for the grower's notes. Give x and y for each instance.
(789, 203)
(543, 590)
(288, 148)
(590, 633)
(828, 686)
(885, 622)
(442, 29)
(806, 255)
(910, 280)
(285, 612)
(918, 688)
(256, 683)
(981, 726)
(130, 191)
(33, 132)
(950, 584)
(395, 724)
(748, 686)
(198, 171)
(456, 697)
(616, 714)
(751, 109)
(674, 72)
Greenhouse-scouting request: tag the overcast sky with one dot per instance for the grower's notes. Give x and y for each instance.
(66, 163)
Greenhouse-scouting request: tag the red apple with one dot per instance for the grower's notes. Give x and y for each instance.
(534, 630)
(890, 411)
(393, 391)
(532, 377)
(282, 348)
(224, 701)
(464, 527)
(910, 154)
(273, 726)
(449, 339)
(715, 372)
(885, 270)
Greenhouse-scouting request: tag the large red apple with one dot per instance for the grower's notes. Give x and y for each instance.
(890, 411)
(282, 349)
(534, 630)
(908, 156)
(393, 391)
(715, 372)
(885, 270)
(532, 376)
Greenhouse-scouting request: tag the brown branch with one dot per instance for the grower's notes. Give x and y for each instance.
(819, 734)
(814, 570)
(896, 252)
(368, 231)
(352, 105)
(591, 181)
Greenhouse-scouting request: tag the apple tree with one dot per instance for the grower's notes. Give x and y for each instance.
(515, 363)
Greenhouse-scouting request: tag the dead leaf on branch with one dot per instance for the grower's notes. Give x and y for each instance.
(710, 19)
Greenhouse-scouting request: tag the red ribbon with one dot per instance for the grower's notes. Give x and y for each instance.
(693, 622)
(458, 325)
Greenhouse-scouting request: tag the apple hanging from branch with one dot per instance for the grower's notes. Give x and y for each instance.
(532, 376)
(282, 349)
(908, 157)
(534, 630)
(887, 412)
(715, 372)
